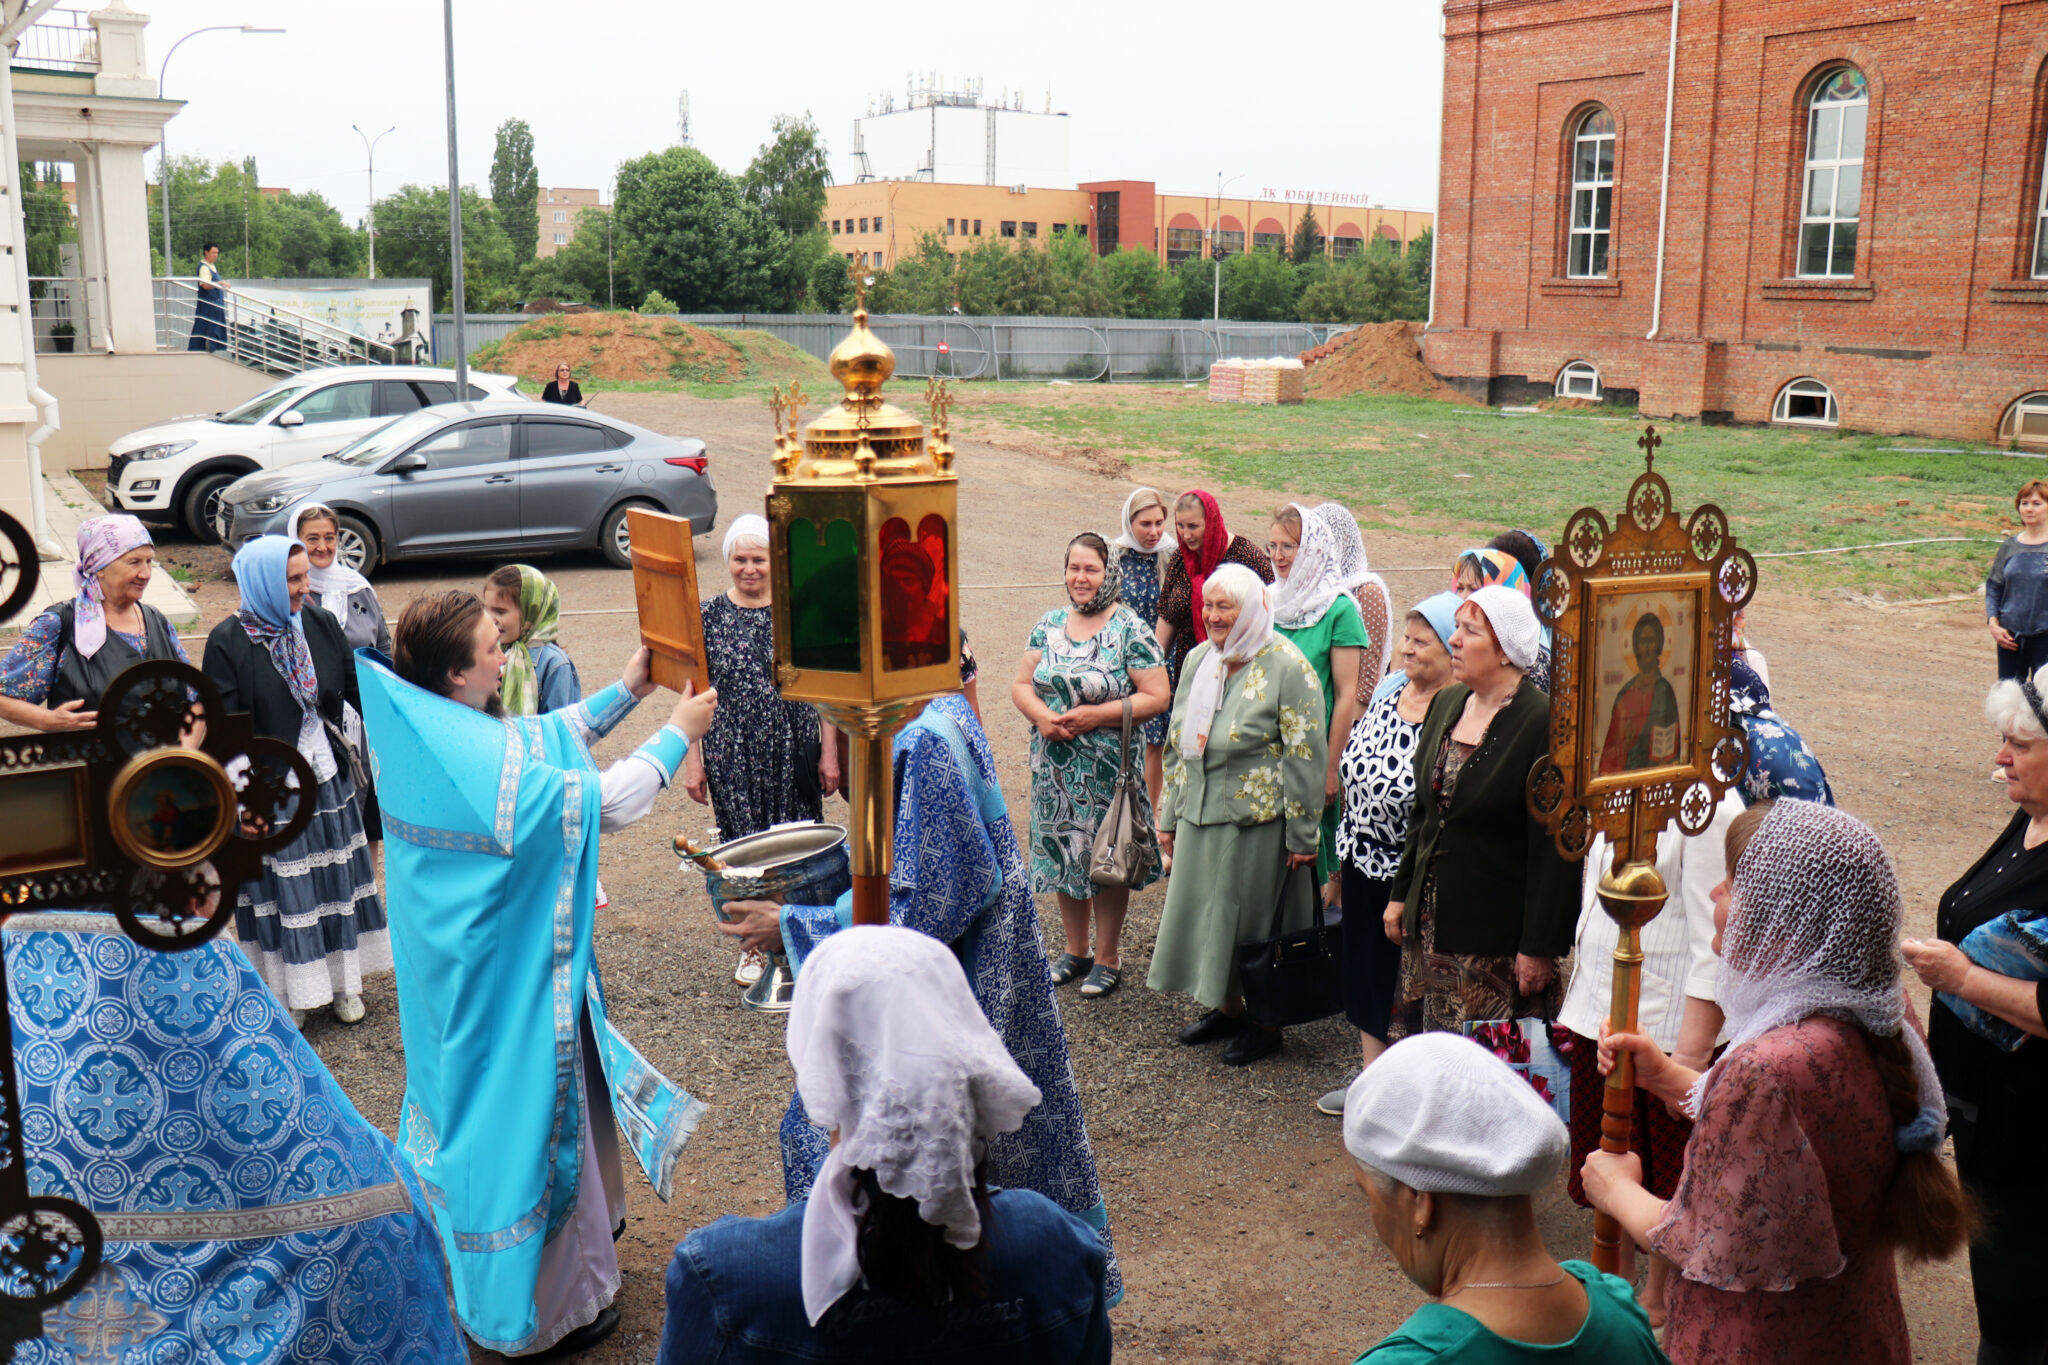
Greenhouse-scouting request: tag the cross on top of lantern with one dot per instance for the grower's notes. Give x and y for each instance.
(864, 511)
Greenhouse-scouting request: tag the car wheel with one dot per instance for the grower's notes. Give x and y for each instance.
(203, 510)
(355, 545)
(615, 540)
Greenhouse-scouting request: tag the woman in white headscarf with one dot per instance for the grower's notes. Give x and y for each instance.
(1312, 606)
(1245, 762)
(339, 590)
(1369, 590)
(1142, 553)
(902, 1251)
(1816, 1151)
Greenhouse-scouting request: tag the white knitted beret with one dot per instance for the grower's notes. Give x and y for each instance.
(1440, 1113)
(1514, 623)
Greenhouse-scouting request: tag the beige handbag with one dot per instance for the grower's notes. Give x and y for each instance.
(1126, 846)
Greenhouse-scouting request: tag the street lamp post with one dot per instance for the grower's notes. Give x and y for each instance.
(1215, 221)
(455, 213)
(611, 194)
(163, 142)
(370, 147)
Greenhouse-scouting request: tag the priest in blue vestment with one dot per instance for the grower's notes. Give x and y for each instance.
(959, 876)
(513, 1075)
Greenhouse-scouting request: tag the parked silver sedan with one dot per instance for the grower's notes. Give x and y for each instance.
(483, 479)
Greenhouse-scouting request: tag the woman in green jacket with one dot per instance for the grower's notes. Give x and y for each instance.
(1243, 801)
(1482, 904)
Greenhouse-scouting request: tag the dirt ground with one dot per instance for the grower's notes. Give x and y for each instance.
(1241, 1235)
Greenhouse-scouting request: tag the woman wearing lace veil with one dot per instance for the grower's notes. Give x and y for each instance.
(1816, 1148)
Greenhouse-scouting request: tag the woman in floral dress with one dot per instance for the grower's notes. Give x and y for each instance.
(1142, 552)
(1245, 758)
(1084, 659)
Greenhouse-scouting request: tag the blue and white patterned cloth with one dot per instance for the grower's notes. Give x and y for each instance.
(251, 1215)
(960, 877)
(1780, 764)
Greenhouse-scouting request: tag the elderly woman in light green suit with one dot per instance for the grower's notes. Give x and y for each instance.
(1241, 808)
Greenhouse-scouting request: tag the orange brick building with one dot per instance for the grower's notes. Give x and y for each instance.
(1852, 230)
(883, 219)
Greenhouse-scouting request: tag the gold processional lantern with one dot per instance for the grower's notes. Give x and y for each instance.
(865, 560)
(1640, 732)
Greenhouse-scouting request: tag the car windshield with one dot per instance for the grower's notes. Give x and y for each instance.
(261, 406)
(390, 438)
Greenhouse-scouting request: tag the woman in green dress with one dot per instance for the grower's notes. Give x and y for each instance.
(1245, 763)
(1312, 608)
(1083, 660)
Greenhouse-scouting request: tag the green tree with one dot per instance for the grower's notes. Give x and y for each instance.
(921, 282)
(787, 178)
(978, 279)
(1374, 287)
(48, 219)
(578, 272)
(412, 239)
(829, 289)
(1026, 287)
(1195, 280)
(658, 302)
(1418, 263)
(311, 242)
(1308, 238)
(1258, 287)
(1080, 288)
(1138, 285)
(701, 241)
(515, 188)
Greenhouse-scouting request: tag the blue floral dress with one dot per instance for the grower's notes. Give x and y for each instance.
(1072, 780)
(1780, 764)
(1141, 595)
(31, 665)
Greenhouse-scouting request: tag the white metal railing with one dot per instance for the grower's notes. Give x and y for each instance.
(62, 309)
(61, 40)
(263, 336)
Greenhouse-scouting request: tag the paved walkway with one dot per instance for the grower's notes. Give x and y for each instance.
(66, 503)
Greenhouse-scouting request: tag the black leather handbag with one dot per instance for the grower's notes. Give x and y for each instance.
(1293, 978)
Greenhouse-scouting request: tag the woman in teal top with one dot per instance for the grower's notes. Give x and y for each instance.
(1451, 1147)
(1313, 608)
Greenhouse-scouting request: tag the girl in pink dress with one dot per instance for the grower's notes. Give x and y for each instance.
(1815, 1154)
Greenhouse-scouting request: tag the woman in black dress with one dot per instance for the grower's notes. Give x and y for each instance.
(1988, 1037)
(562, 388)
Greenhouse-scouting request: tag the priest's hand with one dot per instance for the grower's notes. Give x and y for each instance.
(639, 677)
(693, 713)
(756, 924)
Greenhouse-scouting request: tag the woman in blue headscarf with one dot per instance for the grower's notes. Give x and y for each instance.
(313, 923)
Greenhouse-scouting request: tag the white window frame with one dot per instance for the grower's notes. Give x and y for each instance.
(1806, 387)
(2040, 271)
(2034, 404)
(561, 215)
(1594, 193)
(1833, 170)
(1578, 370)
(561, 239)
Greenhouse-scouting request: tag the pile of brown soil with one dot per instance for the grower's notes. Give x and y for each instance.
(619, 347)
(1381, 357)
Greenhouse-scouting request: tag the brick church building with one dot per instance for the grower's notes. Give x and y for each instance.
(1810, 212)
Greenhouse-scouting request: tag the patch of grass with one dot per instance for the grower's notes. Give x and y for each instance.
(1417, 465)
(179, 573)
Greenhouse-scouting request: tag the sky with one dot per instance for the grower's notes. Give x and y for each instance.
(1335, 99)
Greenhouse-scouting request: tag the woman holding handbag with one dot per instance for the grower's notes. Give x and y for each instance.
(1245, 759)
(1482, 902)
(1090, 665)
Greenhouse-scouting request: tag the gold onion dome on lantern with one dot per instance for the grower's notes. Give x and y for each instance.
(863, 437)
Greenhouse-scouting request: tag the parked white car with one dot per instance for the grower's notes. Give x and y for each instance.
(173, 473)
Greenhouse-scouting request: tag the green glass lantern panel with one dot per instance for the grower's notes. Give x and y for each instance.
(824, 595)
(916, 594)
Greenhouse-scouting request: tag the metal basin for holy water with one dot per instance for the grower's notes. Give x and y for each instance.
(802, 863)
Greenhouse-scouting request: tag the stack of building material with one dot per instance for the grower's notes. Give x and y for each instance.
(1256, 381)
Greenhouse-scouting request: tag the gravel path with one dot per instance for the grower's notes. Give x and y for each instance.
(1242, 1236)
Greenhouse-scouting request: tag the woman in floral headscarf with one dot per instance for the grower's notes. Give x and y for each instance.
(539, 675)
(1083, 661)
(313, 924)
(53, 677)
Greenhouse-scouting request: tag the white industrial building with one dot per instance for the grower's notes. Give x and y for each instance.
(955, 137)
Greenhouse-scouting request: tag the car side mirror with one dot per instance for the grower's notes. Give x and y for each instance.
(407, 463)
(291, 419)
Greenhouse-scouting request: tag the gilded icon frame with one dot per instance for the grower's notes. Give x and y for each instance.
(1648, 552)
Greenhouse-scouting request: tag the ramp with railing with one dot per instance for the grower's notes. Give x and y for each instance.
(268, 337)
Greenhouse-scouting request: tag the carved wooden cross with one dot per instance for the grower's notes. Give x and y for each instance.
(1649, 441)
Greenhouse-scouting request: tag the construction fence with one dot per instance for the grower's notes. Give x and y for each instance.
(1078, 350)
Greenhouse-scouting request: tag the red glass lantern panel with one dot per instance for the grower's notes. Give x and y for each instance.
(916, 595)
